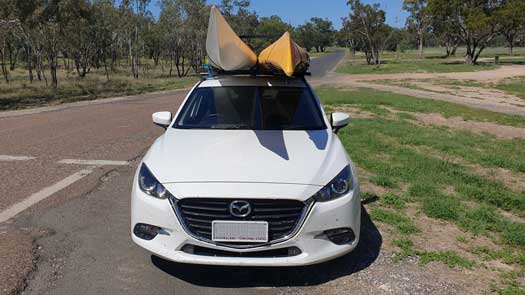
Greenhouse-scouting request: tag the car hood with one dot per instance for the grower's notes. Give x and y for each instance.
(246, 156)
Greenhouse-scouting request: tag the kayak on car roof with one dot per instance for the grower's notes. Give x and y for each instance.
(227, 52)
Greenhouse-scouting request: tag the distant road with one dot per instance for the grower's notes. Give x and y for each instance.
(321, 65)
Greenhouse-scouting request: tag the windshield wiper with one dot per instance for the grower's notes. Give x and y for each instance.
(232, 127)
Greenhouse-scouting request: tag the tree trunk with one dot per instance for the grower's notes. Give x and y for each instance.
(420, 45)
(53, 70)
(509, 36)
(13, 55)
(469, 56)
(469, 60)
(3, 66)
(29, 60)
(454, 49)
(106, 68)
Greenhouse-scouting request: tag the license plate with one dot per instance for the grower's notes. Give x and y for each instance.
(239, 231)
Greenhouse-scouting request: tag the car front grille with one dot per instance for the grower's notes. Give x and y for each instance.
(284, 217)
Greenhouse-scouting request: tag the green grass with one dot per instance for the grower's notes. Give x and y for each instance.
(393, 200)
(515, 86)
(446, 208)
(402, 223)
(449, 258)
(411, 66)
(19, 93)
(512, 286)
(370, 100)
(438, 53)
(461, 239)
(406, 248)
(383, 180)
(507, 255)
(401, 154)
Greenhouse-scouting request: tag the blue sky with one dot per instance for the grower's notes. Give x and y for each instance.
(297, 12)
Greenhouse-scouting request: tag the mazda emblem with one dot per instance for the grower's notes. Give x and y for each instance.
(240, 208)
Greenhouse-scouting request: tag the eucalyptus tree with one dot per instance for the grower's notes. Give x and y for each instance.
(511, 19)
(474, 22)
(418, 20)
(323, 33)
(368, 22)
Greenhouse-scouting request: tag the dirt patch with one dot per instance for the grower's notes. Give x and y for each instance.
(405, 277)
(471, 98)
(438, 235)
(489, 76)
(500, 131)
(16, 260)
(509, 178)
(481, 93)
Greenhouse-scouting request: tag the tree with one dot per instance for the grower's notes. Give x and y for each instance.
(79, 34)
(305, 36)
(324, 33)
(346, 37)
(269, 29)
(6, 29)
(418, 21)
(474, 22)
(368, 21)
(243, 21)
(512, 21)
(447, 35)
(184, 27)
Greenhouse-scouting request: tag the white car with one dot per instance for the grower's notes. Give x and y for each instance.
(250, 172)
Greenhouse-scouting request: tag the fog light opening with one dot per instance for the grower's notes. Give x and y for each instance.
(340, 236)
(189, 249)
(294, 251)
(146, 231)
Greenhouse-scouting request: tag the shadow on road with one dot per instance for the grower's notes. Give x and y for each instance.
(237, 277)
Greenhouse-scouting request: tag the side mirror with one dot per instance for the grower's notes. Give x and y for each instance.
(162, 119)
(339, 120)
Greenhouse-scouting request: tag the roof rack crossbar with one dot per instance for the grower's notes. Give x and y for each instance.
(214, 72)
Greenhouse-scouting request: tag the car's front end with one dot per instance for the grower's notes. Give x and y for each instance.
(246, 196)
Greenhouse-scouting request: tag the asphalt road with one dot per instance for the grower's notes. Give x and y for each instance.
(321, 65)
(74, 160)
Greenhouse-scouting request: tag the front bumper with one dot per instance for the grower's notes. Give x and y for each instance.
(315, 247)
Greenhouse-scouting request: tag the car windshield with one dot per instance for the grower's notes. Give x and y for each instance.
(251, 107)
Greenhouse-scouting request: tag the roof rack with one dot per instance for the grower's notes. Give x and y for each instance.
(256, 72)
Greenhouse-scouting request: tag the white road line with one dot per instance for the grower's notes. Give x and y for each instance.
(93, 162)
(15, 158)
(43, 194)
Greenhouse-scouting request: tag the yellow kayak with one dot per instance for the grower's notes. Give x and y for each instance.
(284, 55)
(226, 51)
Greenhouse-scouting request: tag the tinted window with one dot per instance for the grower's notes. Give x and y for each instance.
(259, 108)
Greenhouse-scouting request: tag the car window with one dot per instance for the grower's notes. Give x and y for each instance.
(258, 108)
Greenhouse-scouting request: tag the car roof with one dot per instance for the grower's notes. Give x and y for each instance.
(252, 80)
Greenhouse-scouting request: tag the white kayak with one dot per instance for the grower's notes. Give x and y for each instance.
(226, 51)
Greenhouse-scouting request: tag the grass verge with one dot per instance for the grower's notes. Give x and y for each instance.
(370, 100)
(19, 93)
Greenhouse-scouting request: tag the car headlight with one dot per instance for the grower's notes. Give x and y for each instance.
(336, 188)
(150, 185)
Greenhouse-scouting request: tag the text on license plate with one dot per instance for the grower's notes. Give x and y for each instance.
(239, 231)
